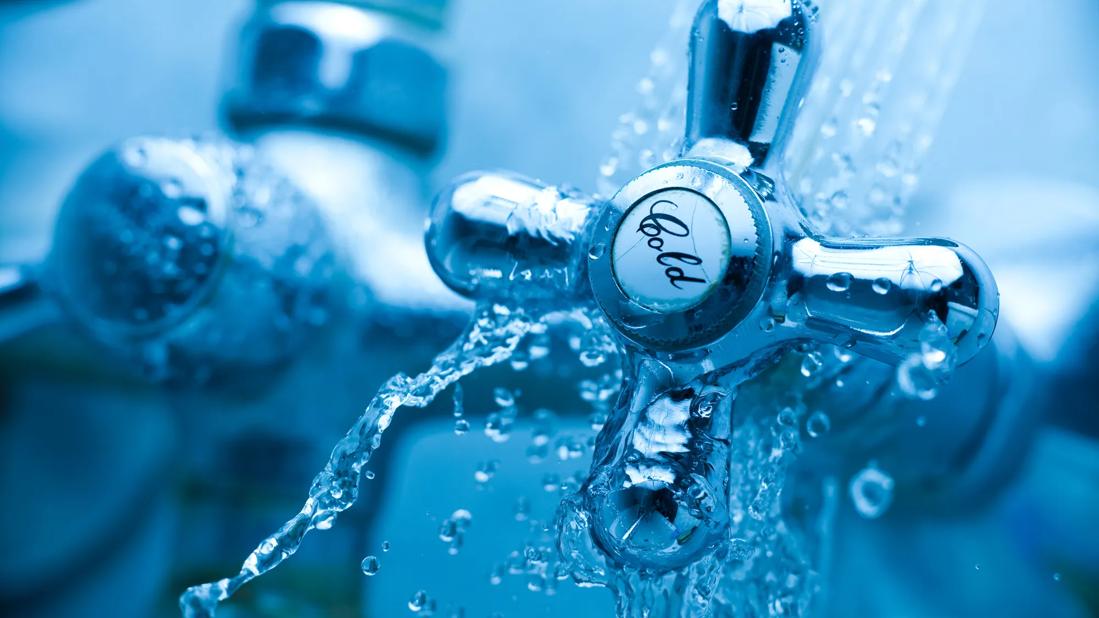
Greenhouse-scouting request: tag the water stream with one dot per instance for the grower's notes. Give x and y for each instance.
(493, 335)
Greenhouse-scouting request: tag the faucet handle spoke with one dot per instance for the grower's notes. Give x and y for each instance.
(878, 296)
(503, 236)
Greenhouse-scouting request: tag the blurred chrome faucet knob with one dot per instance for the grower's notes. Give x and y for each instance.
(707, 270)
(348, 100)
(190, 256)
(340, 66)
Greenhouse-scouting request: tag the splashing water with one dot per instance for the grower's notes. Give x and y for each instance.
(493, 335)
(765, 563)
(885, 77)
(653, 132)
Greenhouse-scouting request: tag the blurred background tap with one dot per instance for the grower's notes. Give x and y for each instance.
(350, 100)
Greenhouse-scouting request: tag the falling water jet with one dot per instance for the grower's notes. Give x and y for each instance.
(492, 337)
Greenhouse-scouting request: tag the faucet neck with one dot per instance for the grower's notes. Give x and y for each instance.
(750, 63)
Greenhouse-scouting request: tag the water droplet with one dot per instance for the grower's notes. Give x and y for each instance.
(522, 509)
(843, 354)
(369, 474)
(609, 167)
(171, 188)
(520, 360)
(172, 242)
(839, 282)
(503, 397)
(386, 545)
(882, 285)
(936, 286)
(811, 364)
(249, 216)
(838, 200)
(551, 482)
(190, 215)
(818, 424)
(597, 251)
(915, 380)
(867, 124)
(871, 492)
(370, 565)
(459, 401)
(419, 601)
(461, 427)
(592, 348)
(496, 575)
(135, 156)
(498, 426)
(486, 471)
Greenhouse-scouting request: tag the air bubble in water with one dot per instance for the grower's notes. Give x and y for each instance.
(370, 565)
(871, 492)
(882, 285)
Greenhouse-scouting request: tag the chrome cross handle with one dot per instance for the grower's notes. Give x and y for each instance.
(694, 260)
(706, 269)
